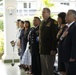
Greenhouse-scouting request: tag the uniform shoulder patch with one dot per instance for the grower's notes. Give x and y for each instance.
(55, 22)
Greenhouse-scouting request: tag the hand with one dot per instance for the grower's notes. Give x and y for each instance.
(18, 43)
(37, 39)
(60, 31)
(71, 60)
(64, 33)
(52, 52)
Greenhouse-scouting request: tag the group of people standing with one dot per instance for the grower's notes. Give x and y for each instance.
(67, 43)
(39, 44)
(28, 46)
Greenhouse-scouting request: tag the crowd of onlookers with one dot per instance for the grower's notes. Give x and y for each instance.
(38, 45)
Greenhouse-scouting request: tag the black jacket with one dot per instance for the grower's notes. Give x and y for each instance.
(34, 44)
(69, 44)
(47, 39)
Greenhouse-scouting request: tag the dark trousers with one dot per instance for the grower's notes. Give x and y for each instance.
(36, 65)
(70, 68)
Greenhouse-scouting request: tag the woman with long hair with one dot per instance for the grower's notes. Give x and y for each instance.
(26, 59)
(62, 27)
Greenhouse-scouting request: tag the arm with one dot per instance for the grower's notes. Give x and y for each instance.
(21, 34)
(54, 39)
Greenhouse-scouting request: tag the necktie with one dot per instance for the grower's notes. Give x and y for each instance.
(66, 29)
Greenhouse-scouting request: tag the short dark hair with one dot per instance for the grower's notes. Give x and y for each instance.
(28, 24)
(38, 18)
(62, 15)
(22, 22)
(18, 20)
(48, 10)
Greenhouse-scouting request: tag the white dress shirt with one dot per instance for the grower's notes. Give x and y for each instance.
(70, 24)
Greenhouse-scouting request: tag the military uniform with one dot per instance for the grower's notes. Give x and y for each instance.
(34, 33)
(34, 47)
(48, 32)
(47, 42)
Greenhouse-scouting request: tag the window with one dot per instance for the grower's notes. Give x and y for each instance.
(65, 4)
(25, 5)
(29, 5)
(72, 0)
(59, 0)
(20, 11)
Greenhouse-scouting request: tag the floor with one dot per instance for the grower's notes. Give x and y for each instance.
(7, 69)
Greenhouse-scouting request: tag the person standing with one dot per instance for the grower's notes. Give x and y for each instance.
(17, 35)
(34, 47)
(26, 59)
(69, 44)
(62, 24)
(25, 35)
(18, 29)
(21, 23)
(47, 42)
(21, 52)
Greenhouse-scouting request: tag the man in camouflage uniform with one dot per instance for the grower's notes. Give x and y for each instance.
(47, 42)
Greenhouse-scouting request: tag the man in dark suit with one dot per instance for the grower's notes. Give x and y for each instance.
(34, 47)
(69, 44)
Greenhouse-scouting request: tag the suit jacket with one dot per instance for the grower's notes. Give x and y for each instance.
(47, 36)
(69, 44)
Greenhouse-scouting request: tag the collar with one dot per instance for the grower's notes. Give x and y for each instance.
(19, 29)
(70, 24)
(36, 26)
(47, 19)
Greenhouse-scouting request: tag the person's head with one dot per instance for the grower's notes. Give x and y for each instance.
(17, 23)
(70, 16)
(46, 13)
(36, 21)
(27, 24)
(61, 18)
(21, 24)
